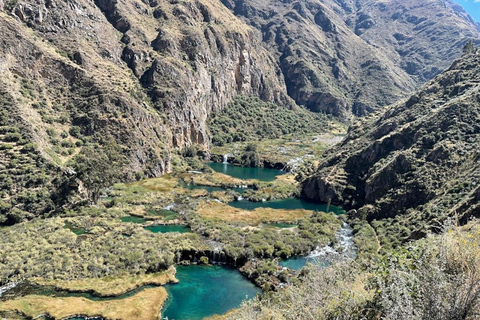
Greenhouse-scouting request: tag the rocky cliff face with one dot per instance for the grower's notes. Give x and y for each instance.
(420, 157)
(191, 57)
(199, 58)
(347, 57)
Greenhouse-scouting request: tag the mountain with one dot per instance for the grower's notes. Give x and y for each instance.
(174, 51)
(346, 57)
(95, 92)
(109, 88)
(416, 161)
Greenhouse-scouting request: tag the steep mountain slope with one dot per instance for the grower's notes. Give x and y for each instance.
(349, 57)
(191, 57)
(419, 158)
(67, 116)
(422, 37)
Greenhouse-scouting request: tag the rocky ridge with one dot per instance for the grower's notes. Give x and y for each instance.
(419, 158)
(346, 57)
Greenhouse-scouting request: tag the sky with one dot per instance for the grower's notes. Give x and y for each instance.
(472, 7)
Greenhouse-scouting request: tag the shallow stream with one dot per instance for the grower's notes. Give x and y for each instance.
(323, 256)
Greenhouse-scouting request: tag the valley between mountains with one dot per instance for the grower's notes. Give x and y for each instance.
(239, 159)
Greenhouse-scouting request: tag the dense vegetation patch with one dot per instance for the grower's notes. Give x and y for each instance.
(242, 241)
(44, 248)
(251, 119)
(25, 176)
(93, 242)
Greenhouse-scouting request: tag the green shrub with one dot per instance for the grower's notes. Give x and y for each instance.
(13, 137)
(67, 144)
(190, 151)
(28, 148)
(75, 132)
(51, 132)
(5, 146)
(250, 119)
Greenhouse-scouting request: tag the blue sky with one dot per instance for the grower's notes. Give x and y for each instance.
(472, 7)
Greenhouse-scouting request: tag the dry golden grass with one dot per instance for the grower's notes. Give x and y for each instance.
(164, 183)
(461, 248)
(287, 178)
(222, 196)
(113, 286)
(217, 179)
(137, 210)
(145, 305)
(197, 193)
(221, 211)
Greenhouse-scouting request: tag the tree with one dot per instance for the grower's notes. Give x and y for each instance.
(250, 157)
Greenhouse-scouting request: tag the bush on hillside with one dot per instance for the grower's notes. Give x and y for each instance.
(434, 278)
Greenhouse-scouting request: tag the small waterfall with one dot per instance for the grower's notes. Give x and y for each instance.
(217, 257)
(346, 243)
(213, 257)
(344, 249)
(320, 252)
(7, 287)
(225, 158)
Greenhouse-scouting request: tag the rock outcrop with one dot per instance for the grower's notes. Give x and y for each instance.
(418, 157)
